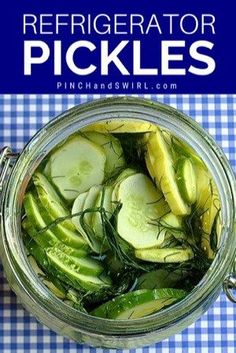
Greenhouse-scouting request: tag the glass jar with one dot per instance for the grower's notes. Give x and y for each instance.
(16, 172)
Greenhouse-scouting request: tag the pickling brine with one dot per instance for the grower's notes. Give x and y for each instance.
(121, 219)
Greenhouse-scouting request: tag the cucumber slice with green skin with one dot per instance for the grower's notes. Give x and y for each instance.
(90, 202)
(77, 165)
(186, 180)
(34, 223)
(182, 149)
(160, 279)
(67, 273)
(34, 235)
(142, 204)
(69, 237)
(137, 304)
(72, 276)
(44, 239)
(69, 296)
(59, 289)
(39, 238)
(112, 148)
(163, 167)
(83, 265)
(165, 255)
(103, 200)
(80, 253)
(78, 207)
(121, 126)
(39, 218)
(50, 200)
(107, 201)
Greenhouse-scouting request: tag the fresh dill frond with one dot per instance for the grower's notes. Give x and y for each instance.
(134, 148)
(120, 247)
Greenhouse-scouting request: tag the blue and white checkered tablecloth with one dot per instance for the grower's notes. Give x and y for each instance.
(20, 117)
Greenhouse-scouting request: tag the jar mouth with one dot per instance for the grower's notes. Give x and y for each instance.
(57, 130)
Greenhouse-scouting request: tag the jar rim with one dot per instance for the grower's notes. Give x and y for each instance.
(57, 130)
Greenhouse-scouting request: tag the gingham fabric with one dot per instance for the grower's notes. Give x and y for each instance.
(20, 117)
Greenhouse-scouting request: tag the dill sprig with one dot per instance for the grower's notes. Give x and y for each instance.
(121, 249)
(134, 148)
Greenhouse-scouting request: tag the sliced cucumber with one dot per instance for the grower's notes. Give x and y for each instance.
(181, 149)
(50, 200)
(68, 274)
(103, 200)
(112, 149)
(67, 236)
(72, 275)
(80, 253)
(83, 265)
(142, 206)
(77, 165)
(163, 167)
(33, 233)
(122, 176)
(39, 218)
(137, 304)
(52, 208)
(165, 255)
(121, 126)
(78, 207)
(34, 223)
(186, 180)
(71, 238)
(90, 202)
